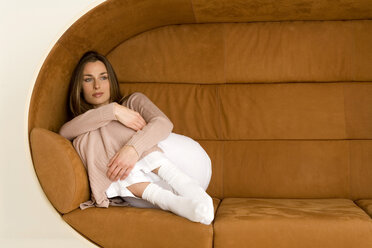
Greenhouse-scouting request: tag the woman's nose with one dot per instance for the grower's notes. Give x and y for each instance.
(96, 84)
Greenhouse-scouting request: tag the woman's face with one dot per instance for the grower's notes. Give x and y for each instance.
(96, 84)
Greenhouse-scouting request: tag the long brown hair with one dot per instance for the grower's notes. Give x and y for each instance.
(77, 103)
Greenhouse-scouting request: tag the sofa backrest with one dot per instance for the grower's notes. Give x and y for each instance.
(283, 108)
(278, 93)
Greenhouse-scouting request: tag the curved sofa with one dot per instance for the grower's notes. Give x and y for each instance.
(277, 92)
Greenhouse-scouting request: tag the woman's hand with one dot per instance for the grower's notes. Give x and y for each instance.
(129, 117)
(122, 163)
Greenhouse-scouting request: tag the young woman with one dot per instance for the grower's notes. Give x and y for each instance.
(119, 140)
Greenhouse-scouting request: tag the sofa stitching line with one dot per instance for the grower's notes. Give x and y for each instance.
(347, 141)
(219, 134)
(351, 195)
(193, 11)
(353, 77)
(223, 170)
(224, 51)
(219, 98)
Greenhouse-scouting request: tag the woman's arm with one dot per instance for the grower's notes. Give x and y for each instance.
(158, 127)
(88, 121)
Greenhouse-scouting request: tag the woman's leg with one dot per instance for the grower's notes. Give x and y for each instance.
(138, 188)
(189, 208)
(185, 186)
(189, 157)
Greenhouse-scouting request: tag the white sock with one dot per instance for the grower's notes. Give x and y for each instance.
(185, 186)
(191, 209)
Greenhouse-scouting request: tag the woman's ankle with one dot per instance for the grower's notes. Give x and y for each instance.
(138, 188)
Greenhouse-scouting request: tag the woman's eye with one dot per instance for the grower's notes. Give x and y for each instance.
(104, 78)
(87, 79)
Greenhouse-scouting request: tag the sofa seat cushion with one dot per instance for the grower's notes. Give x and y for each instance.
(140, 227)
(366, 205)
(253, 222)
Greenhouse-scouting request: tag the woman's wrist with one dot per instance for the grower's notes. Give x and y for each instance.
(132, 148)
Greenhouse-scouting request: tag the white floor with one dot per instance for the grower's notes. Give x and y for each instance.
(28, 31)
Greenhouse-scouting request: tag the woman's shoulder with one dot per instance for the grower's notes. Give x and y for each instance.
(132, 97)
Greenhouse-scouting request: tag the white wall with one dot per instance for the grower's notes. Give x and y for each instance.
(28, 31)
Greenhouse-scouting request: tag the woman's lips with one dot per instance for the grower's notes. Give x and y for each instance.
(98, 94)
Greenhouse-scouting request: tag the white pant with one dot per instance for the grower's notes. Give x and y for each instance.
(182, 151)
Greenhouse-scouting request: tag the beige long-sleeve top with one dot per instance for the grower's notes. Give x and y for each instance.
(97, 135)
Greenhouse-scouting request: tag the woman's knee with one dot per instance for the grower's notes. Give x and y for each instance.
(138, 188)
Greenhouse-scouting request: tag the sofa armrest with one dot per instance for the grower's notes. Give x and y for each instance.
(59, 169)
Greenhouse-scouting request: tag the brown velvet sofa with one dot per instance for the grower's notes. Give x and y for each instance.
(279, 94)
